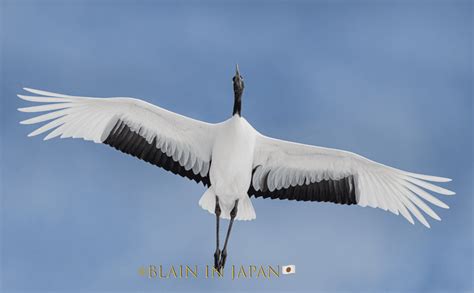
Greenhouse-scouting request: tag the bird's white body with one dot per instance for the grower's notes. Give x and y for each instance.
(231, 168)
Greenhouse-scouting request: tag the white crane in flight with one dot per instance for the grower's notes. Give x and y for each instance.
(233, 159)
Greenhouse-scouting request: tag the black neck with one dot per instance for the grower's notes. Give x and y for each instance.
(237, 103)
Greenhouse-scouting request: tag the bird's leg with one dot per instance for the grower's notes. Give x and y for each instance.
(217, 254)
(233, 213)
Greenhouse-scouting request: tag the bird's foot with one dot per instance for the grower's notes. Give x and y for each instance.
(223, 258)
(217, 258)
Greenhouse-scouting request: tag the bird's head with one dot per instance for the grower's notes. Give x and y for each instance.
(238, 82)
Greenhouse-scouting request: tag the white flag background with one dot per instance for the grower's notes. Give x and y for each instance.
(289, 269)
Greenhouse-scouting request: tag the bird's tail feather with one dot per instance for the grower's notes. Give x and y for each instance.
(245, 210)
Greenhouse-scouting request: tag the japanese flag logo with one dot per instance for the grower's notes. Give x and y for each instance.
(289, 269)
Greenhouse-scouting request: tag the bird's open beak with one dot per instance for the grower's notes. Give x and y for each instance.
(237, 73)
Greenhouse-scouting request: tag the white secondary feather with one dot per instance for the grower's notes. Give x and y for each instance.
(187, 140)
(283, 164)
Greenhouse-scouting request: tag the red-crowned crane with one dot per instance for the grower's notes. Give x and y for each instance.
(233, 159)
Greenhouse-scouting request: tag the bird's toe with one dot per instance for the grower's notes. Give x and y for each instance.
(223, 259)
(217, 258)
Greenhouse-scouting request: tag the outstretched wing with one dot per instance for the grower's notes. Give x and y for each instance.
(174, 142)
(293, 171)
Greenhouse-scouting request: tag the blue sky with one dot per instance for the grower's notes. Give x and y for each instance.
(389, 80)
